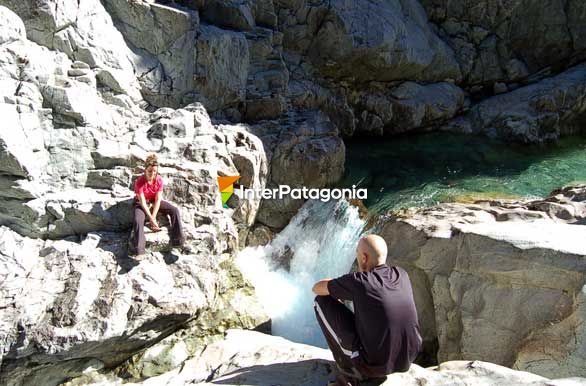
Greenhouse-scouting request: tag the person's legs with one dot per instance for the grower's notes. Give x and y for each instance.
(138, 241)
(337, 324)
(176, 237)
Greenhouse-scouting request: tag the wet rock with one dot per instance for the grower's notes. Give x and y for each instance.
(259, 235)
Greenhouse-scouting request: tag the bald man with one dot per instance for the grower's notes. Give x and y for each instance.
(382, 335)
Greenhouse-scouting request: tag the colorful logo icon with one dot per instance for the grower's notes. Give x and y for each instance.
(227, 187)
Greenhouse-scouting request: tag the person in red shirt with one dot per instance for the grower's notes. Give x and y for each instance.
(148, 203)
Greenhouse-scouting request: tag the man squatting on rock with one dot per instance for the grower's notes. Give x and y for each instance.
(148, 202)
(382, 335)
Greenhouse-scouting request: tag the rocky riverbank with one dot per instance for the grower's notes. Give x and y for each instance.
(268, 90)
(500, 281)
(495, 281)
(251, 358)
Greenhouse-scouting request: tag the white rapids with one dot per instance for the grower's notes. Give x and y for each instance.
(320, 242)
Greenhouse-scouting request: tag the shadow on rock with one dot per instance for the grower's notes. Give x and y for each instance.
(170, 257)
(313, 372)
(117, 244)
(126, 264)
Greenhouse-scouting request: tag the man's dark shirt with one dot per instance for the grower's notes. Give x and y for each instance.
(385, 316)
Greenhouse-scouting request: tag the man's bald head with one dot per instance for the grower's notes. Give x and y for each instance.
(372, 251)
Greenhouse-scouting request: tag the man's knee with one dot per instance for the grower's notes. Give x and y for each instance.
(319, 305)
(323, 301)
(328, 309)
(324, 305)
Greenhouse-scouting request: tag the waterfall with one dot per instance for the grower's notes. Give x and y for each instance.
(319, 242)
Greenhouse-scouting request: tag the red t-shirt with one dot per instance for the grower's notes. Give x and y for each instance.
(149, 190)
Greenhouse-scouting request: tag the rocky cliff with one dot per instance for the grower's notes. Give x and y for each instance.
(501, 281)
(373, 67)
(303, 74)
(75, 132)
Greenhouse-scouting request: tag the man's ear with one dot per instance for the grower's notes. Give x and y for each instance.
(364, 259)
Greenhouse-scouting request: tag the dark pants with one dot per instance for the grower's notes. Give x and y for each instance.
(337, 324)
(166, 209)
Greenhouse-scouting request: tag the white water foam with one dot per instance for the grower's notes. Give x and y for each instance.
(321, 240)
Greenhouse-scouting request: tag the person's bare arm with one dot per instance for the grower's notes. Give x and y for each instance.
(144, 206)
(156, 207)
(321, 287)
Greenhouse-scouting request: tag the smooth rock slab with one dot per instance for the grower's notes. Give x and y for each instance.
(493, 279)
(252, 358)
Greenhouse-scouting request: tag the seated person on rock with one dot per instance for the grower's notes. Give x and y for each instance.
(148, 202)
(382, 335)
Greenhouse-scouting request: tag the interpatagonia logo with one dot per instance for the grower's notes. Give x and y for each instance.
(304, 193)
(227, 187)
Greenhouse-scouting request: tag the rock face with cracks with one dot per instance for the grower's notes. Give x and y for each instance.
(71, 149)
(373, 67)
(501, 282)
(89, 88)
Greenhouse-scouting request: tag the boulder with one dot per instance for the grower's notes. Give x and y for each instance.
(307, 153)
(557, 349)
(232, 14)
(221, 68)
(495, 41)
(539, 112)
(379, 41)
(71, 297)
(84, 32)
(62, 151)
(473, 264)
(11, 26)
(252, 358)
(409, 106)
(71, 305)
(162, 40)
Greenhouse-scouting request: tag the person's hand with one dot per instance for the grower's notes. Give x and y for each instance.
(154, 225)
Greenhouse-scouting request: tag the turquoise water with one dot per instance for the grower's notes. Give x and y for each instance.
(426, 169)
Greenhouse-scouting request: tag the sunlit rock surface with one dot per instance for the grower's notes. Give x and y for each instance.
(89, 88)
(499, 281)
(251, 358)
